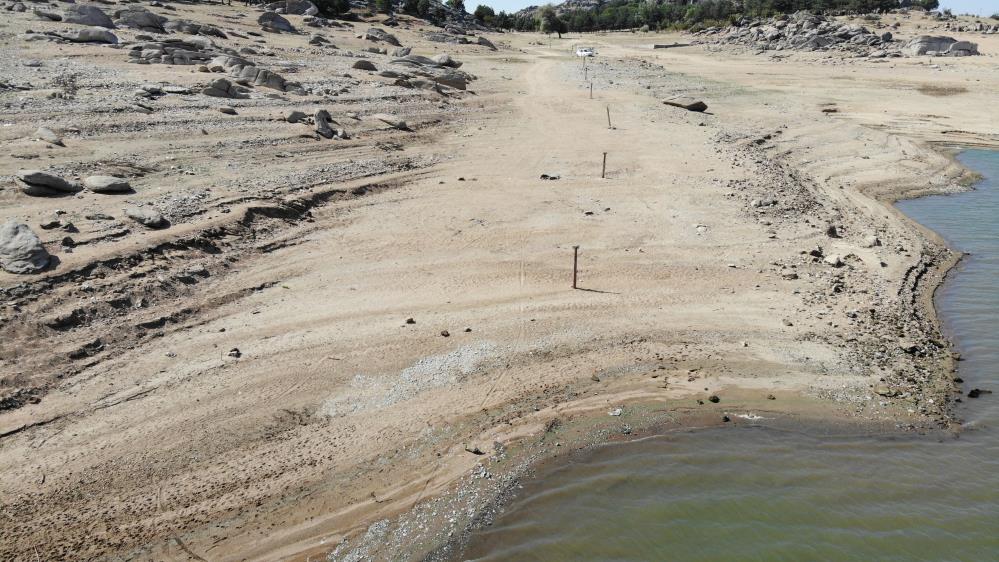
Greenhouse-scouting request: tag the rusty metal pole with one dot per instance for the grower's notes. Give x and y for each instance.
(603, 170)
(575, 263)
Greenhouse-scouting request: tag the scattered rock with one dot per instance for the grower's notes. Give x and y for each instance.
(445, 333)
(391, 120)
(871, 241)
(714, 399)
(234, 352)
(485, 43)
(107, 184)
(146, 217)
(49, 136)
(690, 104)
(228, 110)
(364, 64)
(21, 251)
(322, 119)
(445, 59)
(834, 260)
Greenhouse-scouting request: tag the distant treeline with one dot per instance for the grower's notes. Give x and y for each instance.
(632, 14)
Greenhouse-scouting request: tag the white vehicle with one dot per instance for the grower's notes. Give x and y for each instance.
(584, 52)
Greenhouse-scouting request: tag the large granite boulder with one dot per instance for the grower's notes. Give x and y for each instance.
(96, 35)
(21, 251)
(375, 34)
(44, 184)
(140, 18)
(271, 21)
(939, 45)
(86, 15)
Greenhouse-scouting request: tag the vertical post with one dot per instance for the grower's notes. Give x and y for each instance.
(603, 170)
(575, 263)
(591, 90)
(608, 118)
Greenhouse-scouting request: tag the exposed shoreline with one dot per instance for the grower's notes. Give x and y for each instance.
(341, 427)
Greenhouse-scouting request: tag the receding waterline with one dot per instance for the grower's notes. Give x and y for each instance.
(749, 493)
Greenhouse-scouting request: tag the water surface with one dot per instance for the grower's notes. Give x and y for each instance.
(745, 493)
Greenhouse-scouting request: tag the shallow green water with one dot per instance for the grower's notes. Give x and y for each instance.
(747, 493)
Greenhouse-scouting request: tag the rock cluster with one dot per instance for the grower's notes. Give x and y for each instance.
(191, 28)
(44, 184)
(939, 46)
(200, 51)
(173, 51)
(803, 31)
(440, 69)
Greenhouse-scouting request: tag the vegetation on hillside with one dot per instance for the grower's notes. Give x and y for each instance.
(632, 14)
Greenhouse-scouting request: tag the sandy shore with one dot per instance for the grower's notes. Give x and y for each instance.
(408, 339)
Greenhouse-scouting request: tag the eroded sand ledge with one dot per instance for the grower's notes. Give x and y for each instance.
(339, 415)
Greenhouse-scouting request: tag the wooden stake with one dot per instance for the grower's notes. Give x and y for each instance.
(575, 263)
(591, 90)
(603, 170)
(608, 118)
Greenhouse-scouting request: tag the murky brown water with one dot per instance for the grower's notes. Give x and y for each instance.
(747, 493)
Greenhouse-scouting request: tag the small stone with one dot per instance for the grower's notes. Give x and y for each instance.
(410, 321)
(445, 333)
(227, 110)
(234, 352)
(834, 260)
(49, 136)
(146, 217)
(714, 399)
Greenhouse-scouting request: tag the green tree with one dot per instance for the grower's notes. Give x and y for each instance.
(458, 5)
(384, 6)
(411, 7)
(484, 14)
(549, 22)
(332, 8)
